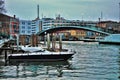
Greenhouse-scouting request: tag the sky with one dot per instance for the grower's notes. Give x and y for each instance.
(88, 10)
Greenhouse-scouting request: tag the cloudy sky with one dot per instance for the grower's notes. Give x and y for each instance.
(69, 9)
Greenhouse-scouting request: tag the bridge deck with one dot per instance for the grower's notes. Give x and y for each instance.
(88, 28)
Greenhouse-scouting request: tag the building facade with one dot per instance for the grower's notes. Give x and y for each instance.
(28, 27)
(110, 26)
(9, 26)
(25, 27)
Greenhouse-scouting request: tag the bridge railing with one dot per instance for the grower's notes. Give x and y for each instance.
(86, 27)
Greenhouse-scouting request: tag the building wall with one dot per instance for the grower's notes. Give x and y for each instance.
(7, 22)
(28, 27)
(110, 25)
(25, 27)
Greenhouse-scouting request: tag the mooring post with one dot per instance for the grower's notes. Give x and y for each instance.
(6, 57)
(48, 41)
(45, 38)
(17, 35)
(60, 41)
(12, 51)
(54, 42)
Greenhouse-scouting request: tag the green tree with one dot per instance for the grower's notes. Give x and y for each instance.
(2, 6)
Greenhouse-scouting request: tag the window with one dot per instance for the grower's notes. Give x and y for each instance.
(29, 23)
(29, 27)
(29, 31)
(23, 23)
(23, 31)
(23, 27)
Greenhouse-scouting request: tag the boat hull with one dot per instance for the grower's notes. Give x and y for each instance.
(108, 42)
(51, 57)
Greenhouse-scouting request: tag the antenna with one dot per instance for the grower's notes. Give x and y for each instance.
(101, 15)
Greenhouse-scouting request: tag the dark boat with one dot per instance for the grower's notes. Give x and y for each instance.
(42, 55)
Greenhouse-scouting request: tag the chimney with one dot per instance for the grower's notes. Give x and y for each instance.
(14, 16)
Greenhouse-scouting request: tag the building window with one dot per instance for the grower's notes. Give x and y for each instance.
(23, 31)
(23, 27)
(29, 23)
(29, 27)
(29, 31)
(23, 23)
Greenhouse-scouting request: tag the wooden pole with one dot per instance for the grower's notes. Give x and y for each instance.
(48, 41)
(60, 42)
(5, 55)
(17, 42)
(53, 41)
(45, 38)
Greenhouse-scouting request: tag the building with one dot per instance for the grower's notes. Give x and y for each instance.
(25, 27)
(110, 26)
(9, 26)
(29, 27)
(46, 23)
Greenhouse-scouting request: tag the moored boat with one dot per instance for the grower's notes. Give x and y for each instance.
(38, 54)
(111, 39)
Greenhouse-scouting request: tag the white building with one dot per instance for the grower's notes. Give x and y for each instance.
(48, 23)
(28, 27)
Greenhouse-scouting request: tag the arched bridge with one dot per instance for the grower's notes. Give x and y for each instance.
(88, 28)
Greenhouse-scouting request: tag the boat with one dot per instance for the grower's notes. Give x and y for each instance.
(39, 54)
(28, 48)
(111, 39)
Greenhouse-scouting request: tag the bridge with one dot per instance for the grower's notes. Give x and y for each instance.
(87, 28)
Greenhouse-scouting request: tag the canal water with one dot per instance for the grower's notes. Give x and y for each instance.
(91, 62)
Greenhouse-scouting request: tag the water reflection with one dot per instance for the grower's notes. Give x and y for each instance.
(33, 69)
(119, 64)
(91, 62)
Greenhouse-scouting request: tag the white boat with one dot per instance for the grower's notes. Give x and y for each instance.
(111, 39)
(31, 49)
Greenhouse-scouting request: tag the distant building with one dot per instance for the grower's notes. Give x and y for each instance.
(46, 23)
(110, 25)
(59, 21)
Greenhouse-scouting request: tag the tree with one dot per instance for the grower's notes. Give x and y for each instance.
(2, 6)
